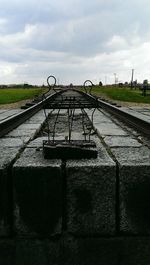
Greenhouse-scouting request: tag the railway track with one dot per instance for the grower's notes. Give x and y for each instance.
(12, 122)
(74, 99)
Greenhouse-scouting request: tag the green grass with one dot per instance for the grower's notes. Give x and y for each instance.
(121, 94)
(13, 95)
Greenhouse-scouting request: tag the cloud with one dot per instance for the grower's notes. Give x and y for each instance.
(73, 39)
(117, 43)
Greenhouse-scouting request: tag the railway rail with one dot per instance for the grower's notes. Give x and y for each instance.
(74, 99)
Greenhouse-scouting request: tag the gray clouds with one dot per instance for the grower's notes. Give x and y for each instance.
(73, 39)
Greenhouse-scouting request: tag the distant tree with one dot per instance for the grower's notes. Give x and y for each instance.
(145, 82)
(126, 83)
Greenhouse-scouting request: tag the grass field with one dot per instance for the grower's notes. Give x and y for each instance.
(13, 95)
(122, 94)
(115, 93)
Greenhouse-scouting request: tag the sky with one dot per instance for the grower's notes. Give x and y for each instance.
(74, 40)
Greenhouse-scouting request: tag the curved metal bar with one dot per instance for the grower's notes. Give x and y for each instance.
(50, 86)
(91, 86)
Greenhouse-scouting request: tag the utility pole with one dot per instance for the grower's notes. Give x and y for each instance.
(115, 78)
(132, 78)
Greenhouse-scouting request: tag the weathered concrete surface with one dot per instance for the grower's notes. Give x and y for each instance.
(90, 186)
(37, 118)
(134, 189)
(139, 113)
(121, 141)
(11, 142)
(22, 133)
(38, 195)
(6, 159)
(105, 126)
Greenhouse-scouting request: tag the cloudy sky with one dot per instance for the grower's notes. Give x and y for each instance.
(74, 40)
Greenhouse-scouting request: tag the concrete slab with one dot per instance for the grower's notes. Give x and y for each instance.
(111, 129)
(6, 159)
(38, 195)
(21, 133)
(38, 118)
(118, 141)
(11, 142)
(7, 252)
(105, 125)
(30, 126)
(99, 117)
(134, 187)
(90, 186)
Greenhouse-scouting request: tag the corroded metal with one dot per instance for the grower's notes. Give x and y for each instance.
(70, 149)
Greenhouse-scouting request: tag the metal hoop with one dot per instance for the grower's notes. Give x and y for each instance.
(91, 85)
(51, 76)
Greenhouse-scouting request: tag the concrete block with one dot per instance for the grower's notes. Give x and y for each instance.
(37, 195)
(7, 252)
(7, 157)
(134, 189)
(91, 195)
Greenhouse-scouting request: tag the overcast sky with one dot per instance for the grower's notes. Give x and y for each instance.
(74, 40)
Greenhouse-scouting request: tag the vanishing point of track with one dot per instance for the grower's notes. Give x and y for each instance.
(72, 99)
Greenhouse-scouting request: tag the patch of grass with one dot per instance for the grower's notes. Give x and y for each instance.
(122, 94)
(13, 95)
